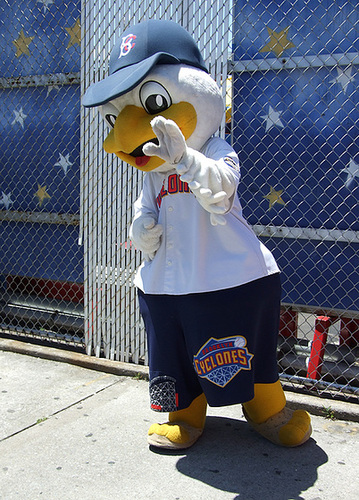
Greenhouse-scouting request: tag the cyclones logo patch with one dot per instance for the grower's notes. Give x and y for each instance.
(219, 360)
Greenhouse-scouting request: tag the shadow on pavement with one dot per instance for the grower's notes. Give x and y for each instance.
(232, 457)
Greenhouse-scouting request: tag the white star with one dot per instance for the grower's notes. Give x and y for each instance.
(45, 3)
(344, 78)
(19, 117)
(6, 200)
(64, 162)
(272, 118)
(352, 171)
(51, 87)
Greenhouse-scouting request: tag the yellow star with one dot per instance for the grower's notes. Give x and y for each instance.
(278, 42)
(22, 44)
(274, 197)
(75, 34)
(41, 194)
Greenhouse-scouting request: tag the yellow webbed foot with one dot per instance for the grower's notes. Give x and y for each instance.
(297, 431)
(173, 435)
(183, 429)
(287, 428)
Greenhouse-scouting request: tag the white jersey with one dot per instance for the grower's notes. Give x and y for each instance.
(195, 256)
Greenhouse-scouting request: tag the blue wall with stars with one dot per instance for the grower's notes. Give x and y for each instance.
(39, 138)
(296, 124)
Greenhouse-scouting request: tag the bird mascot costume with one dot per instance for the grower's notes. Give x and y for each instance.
(208, 289)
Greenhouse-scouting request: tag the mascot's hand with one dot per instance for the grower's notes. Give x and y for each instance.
(146, 236)
(172, 144)
(212, 183)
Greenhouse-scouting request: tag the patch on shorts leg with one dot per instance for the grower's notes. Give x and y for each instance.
(163, 394)
(220, 360)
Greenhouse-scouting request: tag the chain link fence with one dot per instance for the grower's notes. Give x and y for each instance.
(41, 273)
(295, 126)
(289, 75)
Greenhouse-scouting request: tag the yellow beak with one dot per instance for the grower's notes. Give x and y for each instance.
(133, 129)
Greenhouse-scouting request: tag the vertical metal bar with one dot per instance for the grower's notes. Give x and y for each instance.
(322, 324)
(83, 178)
(97, 245)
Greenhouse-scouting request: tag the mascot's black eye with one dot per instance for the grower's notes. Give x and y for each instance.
(154, 98)
(111, 120)
(109, 113)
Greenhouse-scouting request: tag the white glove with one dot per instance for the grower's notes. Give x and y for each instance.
(146, 235)
(172, 144)
(212, 184)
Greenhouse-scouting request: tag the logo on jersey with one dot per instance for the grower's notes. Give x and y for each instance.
(174, 185)
(219, 360)
(231, 162)
(128, 42)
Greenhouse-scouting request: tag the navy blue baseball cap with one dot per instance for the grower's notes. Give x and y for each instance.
(137, 51)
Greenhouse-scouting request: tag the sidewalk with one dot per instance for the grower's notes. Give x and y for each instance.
(74, 433)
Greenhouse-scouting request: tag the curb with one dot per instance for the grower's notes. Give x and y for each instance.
(85, 361)
(323, 407)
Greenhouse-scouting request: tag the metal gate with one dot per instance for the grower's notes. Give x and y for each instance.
(110, 187)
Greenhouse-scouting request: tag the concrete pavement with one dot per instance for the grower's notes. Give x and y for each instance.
(73, 433)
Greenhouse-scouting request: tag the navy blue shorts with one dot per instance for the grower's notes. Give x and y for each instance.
(220, 343)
